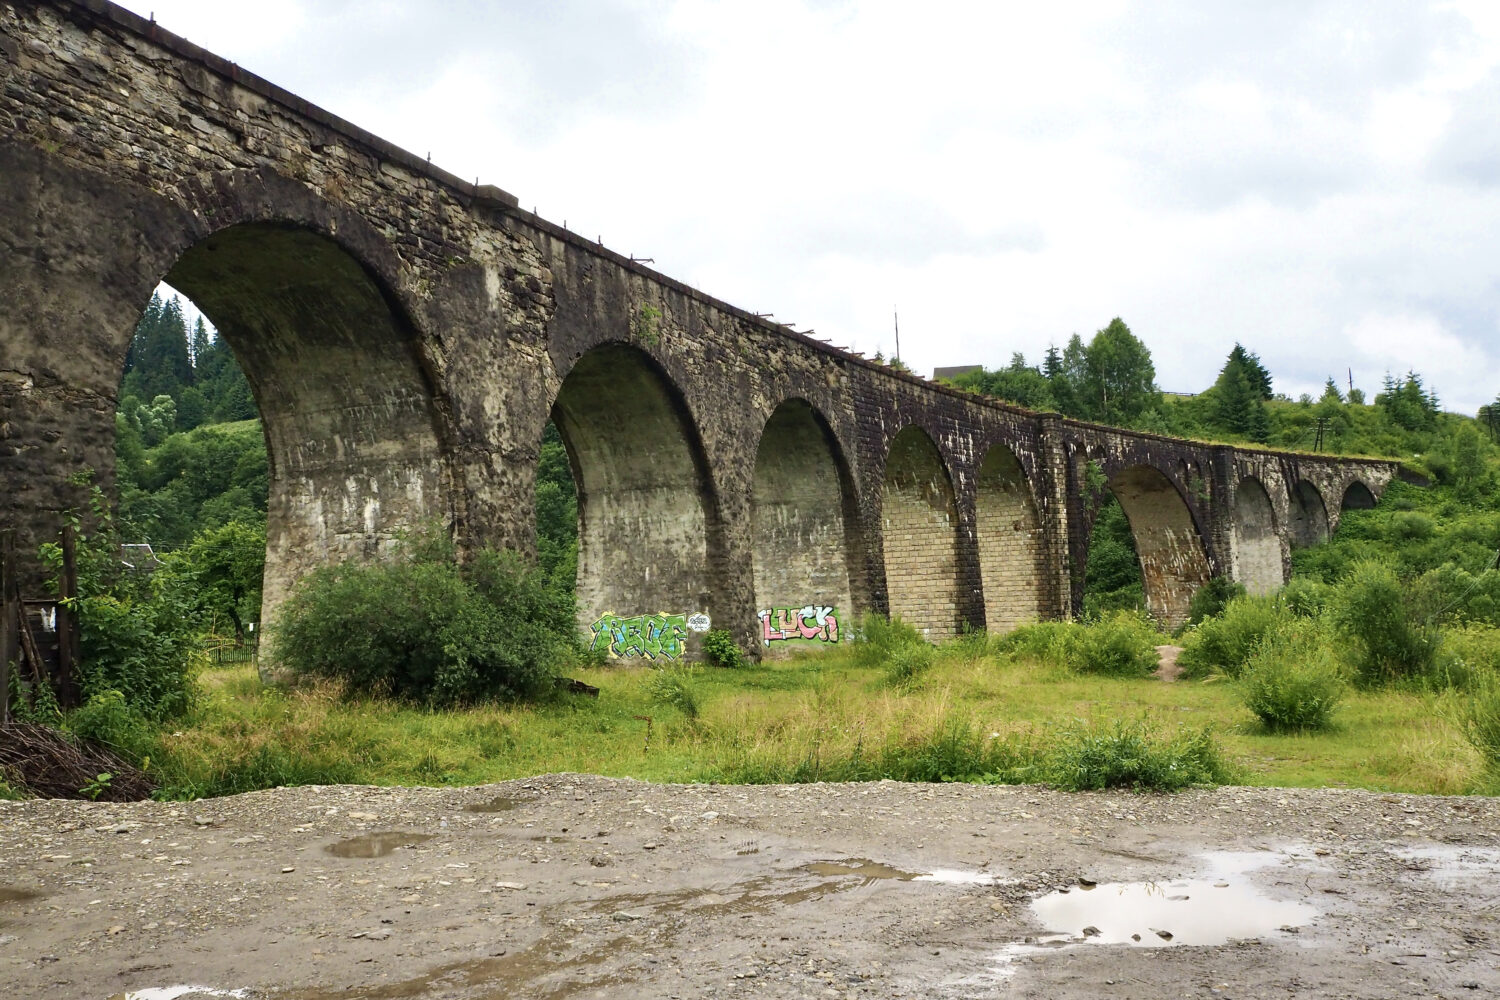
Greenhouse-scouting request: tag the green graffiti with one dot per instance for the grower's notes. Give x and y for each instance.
(657, 636)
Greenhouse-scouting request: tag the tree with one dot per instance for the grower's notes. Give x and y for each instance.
(1020, 383)
(1238, 397)
(228, 563)
(1119, 381)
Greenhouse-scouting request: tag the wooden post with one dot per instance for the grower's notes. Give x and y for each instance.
(66, 682)
(10, 611)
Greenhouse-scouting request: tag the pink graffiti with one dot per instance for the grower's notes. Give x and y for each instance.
(810, 622)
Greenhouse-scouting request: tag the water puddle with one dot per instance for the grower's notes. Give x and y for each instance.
(376, 845)
(1450, 866)
(498, 804)
(1221, 907)
(15, 894)
(873, 871)
(178, 993)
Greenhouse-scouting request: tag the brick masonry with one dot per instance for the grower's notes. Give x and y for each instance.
(409, 334)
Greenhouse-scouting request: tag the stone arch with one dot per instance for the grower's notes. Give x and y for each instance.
(1167, 541)
(920, 522)
(1309, 516)
(804, 526)
(1255, 545)
(1357, 496)
(354, 442)
(1011, 542)
(647, 517)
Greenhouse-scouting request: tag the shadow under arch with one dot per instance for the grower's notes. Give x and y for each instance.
(353, 437)
(1167, 542)
(648, 521)
(1309, 516)
(920, 520)
(1357, 496)
(1255, 544)
(805, 532)
(1011, 543)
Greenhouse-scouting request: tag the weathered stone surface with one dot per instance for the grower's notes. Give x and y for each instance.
(408, 335)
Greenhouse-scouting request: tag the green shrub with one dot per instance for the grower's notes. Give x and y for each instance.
(1134, 755)
(1469, 657)
(877, 638)
(1122, 645)
(1385, 640)
(720, 649)
(106, 718)
(1410, 525)
(1304, 596)
(1481, 722)
(1293, 681)
(908, 662)
(420, 628)
(1210, 599)
(674, 687)
(1226, 642)
(1047, 642)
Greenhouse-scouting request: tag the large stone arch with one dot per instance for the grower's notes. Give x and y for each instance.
(1012, 544)
(805, 534)
(1309, 516)
(647, 516)
(1357, 496)
(920, 530)
(302, 289)
(1255, 544)
(1167, 541)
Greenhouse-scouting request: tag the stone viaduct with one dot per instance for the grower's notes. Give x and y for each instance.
(408, 334)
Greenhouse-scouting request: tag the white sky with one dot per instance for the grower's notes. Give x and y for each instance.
(1319, 181)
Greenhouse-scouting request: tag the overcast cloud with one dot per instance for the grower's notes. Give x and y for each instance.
(1319, 181)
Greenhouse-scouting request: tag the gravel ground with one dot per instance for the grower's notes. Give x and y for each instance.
(580, 886)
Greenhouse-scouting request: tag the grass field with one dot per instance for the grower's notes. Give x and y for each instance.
(971, 715)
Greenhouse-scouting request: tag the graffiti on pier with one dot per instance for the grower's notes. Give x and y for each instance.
(655, 637)
(812, 622)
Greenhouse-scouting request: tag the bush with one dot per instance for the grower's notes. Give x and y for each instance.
(877, 638)
(674, 687)
(1048, 642)
(720, 649)
(1292, 681)
(1385, 641)
(107, 719)
(1123, 645)
(1481, 723)
(1304, 596)
(1133, 755)
(1209, 600)
(421, 628)
(908, 662)
(1226, 642)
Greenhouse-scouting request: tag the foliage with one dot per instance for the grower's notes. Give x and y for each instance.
(1385, 639)
(1292, 681)
(720, 649)
(1132, 755)
(1121, 645)
(877, 638)
(556, 513)
(226, 565)
(674, 687)
(1211, 598)
(1481, 722)
(1045, 642)
(1019, 383)
(422, 628)
(1225, 643)
(1112, 577)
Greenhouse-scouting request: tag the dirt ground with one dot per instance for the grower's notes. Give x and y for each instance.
(579, 886)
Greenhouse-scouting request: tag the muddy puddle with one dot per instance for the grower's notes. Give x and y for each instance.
(873, 871)
(376, 845)
(1221, 906)
(16, 894)
(179, 993)
(1451, 866)
(498, 804)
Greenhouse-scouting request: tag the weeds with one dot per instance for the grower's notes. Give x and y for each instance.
(1293, 682)
(1133, 755)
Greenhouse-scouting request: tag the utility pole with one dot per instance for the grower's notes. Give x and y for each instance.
(1351, 380)
(896, 318)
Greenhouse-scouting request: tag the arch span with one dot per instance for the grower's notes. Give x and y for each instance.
(1309, 516)
(804, 526)
(1010, 542)
(352, 435)
(1357, 496)
(1173, 562)
(647, 519)
(1255, 543)
(920, 518)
